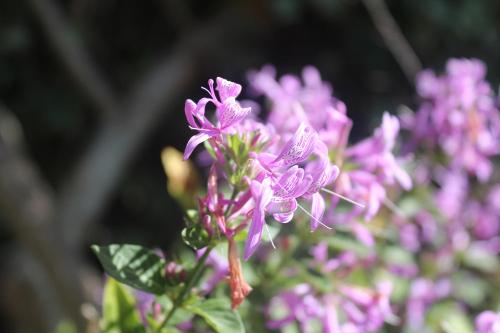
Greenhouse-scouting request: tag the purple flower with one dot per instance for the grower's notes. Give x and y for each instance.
(459, 115)
(322, 173)
(220, 270)
(488, 322)
(423, 293)
(290, 185)
(145, 303)
(228, 113)
(262, 194)
(486, 216)
(298, 148)
(299, 304)
(375, 154)
(368, 309)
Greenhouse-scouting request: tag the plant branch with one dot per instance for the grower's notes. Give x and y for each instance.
(192, 281)
(74, 57)
(393, 38)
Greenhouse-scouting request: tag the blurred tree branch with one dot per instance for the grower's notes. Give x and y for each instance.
(393, 38)
(27, 205)
(75, 58)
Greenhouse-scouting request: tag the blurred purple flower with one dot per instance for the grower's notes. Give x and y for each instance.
(228, 112)
(488, 322)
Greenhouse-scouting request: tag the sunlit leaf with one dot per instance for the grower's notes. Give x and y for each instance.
(133, 265)
(120, 314)
(218, 315)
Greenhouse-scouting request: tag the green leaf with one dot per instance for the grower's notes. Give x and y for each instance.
(195, 237)
(181, 315)
(397, 255)
(133, 265)
(343, 243)
(469, 288)
(120, 314)
(218, 315)
(476, 257)
(449, 317)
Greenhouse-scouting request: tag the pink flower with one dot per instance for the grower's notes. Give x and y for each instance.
(228, 113)
(488, 322)
(262, 194)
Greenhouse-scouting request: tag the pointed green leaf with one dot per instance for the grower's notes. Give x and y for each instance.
(133, 265)
(120, 314)
(218, 315)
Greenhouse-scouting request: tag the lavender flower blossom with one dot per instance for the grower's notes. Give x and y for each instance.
(459, 115)
(220, 270)
(488, 322)
(228, 112)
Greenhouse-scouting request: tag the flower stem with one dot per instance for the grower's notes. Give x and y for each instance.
(234, 194)
(193, 279)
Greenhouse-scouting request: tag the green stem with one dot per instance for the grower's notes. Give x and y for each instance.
(193, 279)
(234, 194)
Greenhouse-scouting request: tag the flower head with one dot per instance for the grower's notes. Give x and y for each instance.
(228, 112)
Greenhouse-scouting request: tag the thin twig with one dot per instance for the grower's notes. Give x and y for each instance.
(393, 38)
(192, 281)
(74, 57)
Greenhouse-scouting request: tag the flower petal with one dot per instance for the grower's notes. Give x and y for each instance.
(193, 142)
(227, 89)
(299, 147)
(287, 183)
(284, 218)
(254, 233)
(231, 112)
(322, 173)
(317, 210)
(282, 210)
(189, 108)
(262, 194)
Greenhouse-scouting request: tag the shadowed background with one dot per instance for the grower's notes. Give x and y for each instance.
(91, 91)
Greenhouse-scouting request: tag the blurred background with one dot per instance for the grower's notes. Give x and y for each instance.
(91, 91)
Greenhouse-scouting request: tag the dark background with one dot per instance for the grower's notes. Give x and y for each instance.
(92, 90)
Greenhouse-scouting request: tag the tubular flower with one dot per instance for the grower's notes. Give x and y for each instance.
(228, 112)
(239, 287)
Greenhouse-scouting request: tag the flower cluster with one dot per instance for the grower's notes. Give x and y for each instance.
(296, 163)
(368, 167)
(282, 168)
(364, 310)
(460, 115)
(455, 135)
(419, 251)
(347, 308)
